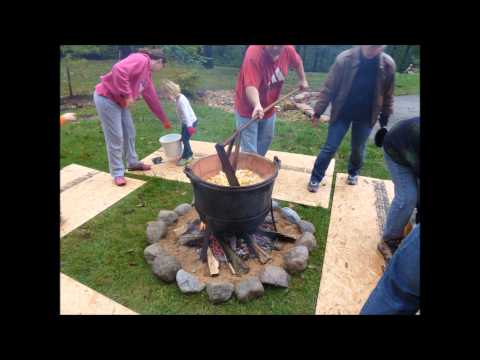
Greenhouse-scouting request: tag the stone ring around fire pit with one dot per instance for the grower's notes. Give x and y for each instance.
(234, 264)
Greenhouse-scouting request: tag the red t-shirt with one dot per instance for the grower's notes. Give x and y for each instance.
(261, 71)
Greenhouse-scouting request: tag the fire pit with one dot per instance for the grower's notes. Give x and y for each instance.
(179, 239)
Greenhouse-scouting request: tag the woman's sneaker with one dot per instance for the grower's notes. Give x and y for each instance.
(183, 162)
(352, 180)
(120, 181)
(313, 186)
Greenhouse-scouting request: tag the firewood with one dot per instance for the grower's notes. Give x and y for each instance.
(239, 266)
(212, 263)
(263, 257)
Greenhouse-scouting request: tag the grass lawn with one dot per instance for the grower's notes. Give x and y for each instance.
(106, 253)
(85, 74)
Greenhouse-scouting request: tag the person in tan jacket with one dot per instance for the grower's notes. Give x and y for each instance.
(360, 86)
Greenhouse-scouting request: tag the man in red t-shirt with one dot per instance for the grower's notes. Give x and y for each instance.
(260, 81)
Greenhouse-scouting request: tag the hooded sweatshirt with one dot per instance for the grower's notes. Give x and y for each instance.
(132, 78)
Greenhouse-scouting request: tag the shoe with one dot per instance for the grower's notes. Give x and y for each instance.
(140, 167)
(183, 162)
(352, 180)
(120, 181)
(313, 186)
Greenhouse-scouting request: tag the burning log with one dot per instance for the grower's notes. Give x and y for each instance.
(263, 257)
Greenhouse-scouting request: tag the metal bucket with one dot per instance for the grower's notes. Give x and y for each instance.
(172, 146)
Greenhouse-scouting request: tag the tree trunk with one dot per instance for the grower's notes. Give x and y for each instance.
(70, 91)
(207, 52)
(405, 58)
(315, 60)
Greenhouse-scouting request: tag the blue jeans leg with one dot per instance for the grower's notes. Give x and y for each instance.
(257, 137)
(187, 149)
(398, 291)
(266, 129)
(248, 142)
(336, 133)
(360, 132)
(404, 201)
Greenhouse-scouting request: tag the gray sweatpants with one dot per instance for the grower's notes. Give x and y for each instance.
(119, 132)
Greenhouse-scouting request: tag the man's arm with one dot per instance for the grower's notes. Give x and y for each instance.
(388, 98)
(254, 99)
(302, 79)
(327, 90)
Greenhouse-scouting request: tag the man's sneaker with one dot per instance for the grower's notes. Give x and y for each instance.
(313, 186)
(140, 167)
(183, 162)
(352, 180)
(120, 181)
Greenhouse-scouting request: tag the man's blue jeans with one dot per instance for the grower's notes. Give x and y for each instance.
(404, 201)
(398, 291)
(336, 131)
(258, 136)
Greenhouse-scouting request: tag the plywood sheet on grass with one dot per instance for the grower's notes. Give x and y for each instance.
(78, 299)
(352, 265)
(87, 192)
(291, 184)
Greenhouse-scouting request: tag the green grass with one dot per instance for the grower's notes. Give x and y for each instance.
(106, 253)
(85, 74)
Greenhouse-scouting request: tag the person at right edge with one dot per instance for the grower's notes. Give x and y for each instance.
(360, 86)
(398, 290)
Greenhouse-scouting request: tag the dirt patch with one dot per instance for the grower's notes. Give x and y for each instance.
(189, 256)
(287, 110)
(220, 99)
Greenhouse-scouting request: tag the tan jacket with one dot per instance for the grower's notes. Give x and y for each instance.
(339, 81)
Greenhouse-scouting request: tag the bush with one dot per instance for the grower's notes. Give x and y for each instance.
(90, 52)
(187, 79)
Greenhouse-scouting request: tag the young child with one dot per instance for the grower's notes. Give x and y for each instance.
(185, 114)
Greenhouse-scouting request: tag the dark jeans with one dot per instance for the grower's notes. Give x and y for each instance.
(336, 131)
(398, 291)
(187, 150)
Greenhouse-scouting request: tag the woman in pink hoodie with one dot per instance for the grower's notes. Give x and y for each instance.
(129, 79)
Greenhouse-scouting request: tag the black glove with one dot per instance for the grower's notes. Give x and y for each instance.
(380, 135)
(383, 120)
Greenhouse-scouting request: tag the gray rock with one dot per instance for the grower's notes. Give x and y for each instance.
(307, 239)
(291, 215)
(155, 231)
(268, 219)
(152, 251)
(296, 259)
(275, 204)
(182, 209)
(249, 289)
(274, 275)
(306, 226)
(219, 292)
(165, 267)
(188, 283)
(168, 216)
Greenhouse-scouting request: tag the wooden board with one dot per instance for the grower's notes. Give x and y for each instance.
(86, 193)
(291, 184)
(352, 265)
(78, 299)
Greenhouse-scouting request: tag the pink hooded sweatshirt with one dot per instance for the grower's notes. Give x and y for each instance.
(132, 77)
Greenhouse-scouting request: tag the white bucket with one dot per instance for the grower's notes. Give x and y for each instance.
(172, 146)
